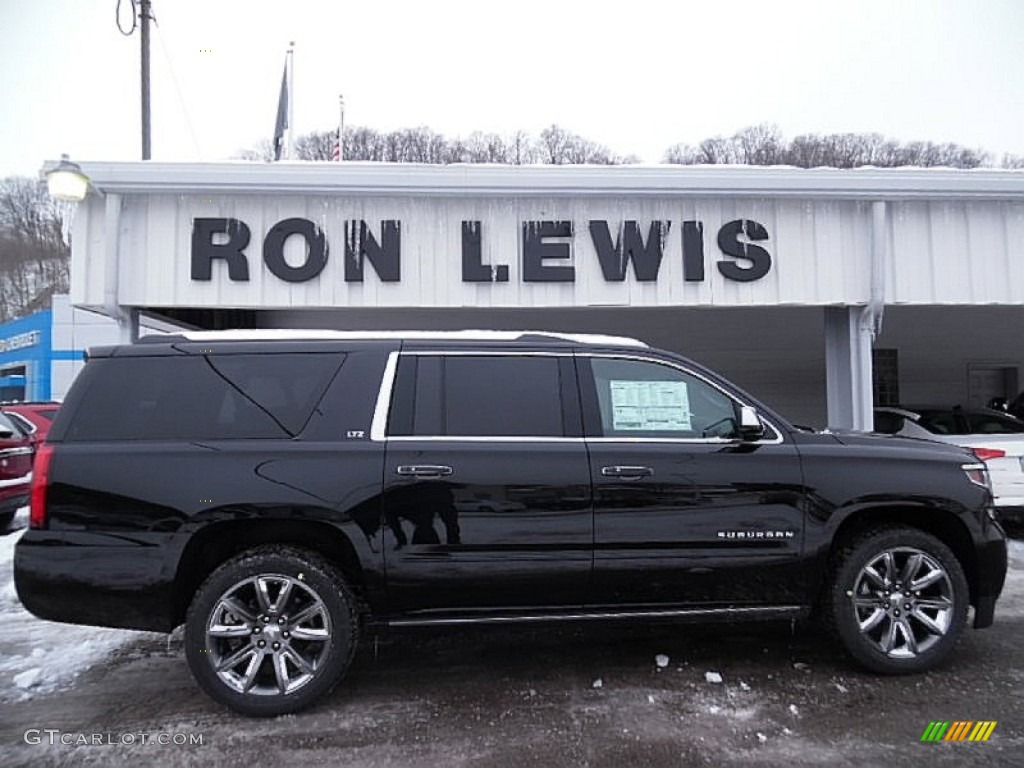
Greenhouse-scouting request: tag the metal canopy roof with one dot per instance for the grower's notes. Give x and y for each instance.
(416, 180)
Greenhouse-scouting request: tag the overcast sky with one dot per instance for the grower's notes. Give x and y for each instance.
(636, 75)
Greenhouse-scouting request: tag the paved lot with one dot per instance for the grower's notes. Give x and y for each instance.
(576, 696)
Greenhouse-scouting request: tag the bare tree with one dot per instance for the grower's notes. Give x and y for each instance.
(263, 152)
(558, 146)
(764, 145)
(423, 145)
(759, 145)
(318, 145)
(524, 150)
(682, 154)
(553, 145)
(363, 144)
(34, 258)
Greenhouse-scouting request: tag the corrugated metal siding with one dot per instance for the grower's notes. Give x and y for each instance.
(942, 252)
(956, 252)
(818, 248)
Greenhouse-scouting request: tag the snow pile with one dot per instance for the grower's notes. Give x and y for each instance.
(42, 656)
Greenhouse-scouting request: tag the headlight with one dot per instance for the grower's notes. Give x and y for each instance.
(977, 474)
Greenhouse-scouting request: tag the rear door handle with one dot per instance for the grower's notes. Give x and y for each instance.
(424, 470)
(629, 472)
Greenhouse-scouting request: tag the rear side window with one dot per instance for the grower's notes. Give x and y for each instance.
(478, 396)
(944, 423)
(201, 398)
(11, 425)
(994, 424)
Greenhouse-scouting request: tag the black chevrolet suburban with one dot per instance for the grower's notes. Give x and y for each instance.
(282, 493)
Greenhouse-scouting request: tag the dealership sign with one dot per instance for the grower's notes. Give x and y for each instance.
(21, 341)
(545, 250)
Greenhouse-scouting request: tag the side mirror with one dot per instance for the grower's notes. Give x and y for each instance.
(751, 427)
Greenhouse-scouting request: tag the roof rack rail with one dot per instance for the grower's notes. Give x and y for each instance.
(287, 334)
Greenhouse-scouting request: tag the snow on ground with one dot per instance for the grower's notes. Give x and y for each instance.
(41, 656)
(1011, 602)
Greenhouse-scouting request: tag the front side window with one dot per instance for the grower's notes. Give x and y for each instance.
(637, 398)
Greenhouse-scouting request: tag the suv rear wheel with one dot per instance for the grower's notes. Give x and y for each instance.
(271, 631)
(897, 600)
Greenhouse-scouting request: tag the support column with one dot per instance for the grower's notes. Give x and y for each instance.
(848, 336)
(128, 325)
(127, 317)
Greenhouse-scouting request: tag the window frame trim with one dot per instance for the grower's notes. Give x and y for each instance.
(382, 411)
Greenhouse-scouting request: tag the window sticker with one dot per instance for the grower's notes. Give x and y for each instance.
(651, 406)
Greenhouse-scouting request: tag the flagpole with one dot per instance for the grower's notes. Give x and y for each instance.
(341, 127)
(282, 123)
(290, 146)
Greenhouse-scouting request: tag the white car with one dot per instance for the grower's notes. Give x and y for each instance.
(995, 437)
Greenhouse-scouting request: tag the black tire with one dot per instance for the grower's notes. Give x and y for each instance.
(303, 594)
(869, 615)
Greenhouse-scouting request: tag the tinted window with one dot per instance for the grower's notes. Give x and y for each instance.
(641, 399)
(991, 423)
(495, 396)
(202, 398)
(943, 422)
(10, 425)
(888, 423)
(47, 413)
(480, 396)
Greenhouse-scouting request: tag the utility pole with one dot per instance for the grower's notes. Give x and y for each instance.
(144, 17)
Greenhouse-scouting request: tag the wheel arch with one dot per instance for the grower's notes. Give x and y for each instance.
(218, 542)
(946, 526)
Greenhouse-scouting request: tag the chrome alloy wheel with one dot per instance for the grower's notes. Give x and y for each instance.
(268, 635)
(903, 602)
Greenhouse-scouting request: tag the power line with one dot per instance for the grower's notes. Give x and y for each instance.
(164, 48)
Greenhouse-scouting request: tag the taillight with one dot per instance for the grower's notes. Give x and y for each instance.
(988, 453)
(37, 517)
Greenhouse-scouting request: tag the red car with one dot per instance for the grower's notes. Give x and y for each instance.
(16, 454)
(34, 418)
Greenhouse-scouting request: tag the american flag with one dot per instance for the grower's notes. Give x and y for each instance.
(336, 149)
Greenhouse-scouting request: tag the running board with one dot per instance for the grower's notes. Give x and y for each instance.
(725, 614)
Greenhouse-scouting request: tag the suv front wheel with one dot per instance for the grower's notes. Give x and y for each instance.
(897, 600)
(271, 631)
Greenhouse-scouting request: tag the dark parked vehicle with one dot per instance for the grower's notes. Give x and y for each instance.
(282, 493)
(16, 453)
(1016, 406)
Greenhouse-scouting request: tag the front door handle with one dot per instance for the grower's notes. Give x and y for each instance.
(424, 470)
(628, 472)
